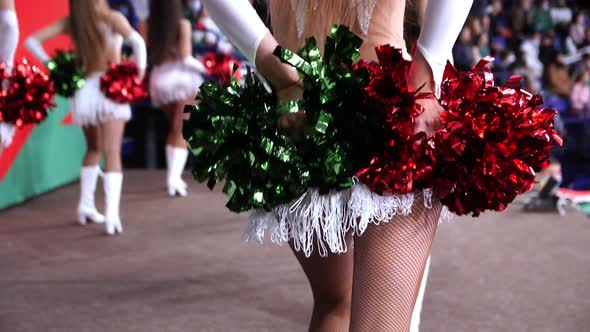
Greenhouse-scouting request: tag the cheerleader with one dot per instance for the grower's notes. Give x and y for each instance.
(372, 286)
(174, 80)
(8, 42)
(97, 32)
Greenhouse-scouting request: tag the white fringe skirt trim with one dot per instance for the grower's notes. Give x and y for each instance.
(90, 106)
(173, 82)
(6, 133)
(324, 221)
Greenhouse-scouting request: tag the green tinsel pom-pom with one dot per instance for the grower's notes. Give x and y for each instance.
(66, 74)
(345, 132)
(233, 135)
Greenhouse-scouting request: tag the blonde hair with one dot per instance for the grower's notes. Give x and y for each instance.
(85, 30)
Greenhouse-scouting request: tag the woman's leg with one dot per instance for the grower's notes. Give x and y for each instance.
(330, 279)
(112, 138)
(88, 177)
(93, 146)
(176, 151)
(175, 115)
(111, 133)
(388, 266)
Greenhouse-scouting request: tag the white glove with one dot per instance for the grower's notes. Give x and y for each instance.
(139, 51)
(443, 22)
(9, 33)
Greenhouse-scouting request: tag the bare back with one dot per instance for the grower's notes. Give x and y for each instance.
(113, 43)
(381, 24)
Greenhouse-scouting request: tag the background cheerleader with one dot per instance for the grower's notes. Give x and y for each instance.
(174, 80)
(97, 34)
(8, 42)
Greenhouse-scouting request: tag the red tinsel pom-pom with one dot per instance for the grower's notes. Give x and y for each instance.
(121, 83)
(405, 163)
(491, 142)
(220, 66)
(26, 94)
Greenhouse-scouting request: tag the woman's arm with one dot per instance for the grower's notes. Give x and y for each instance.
(9, 28)
(185, 48)
(238, 20)
(442, 23)
(121, 26)
(35, 42)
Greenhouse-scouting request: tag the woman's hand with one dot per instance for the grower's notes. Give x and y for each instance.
(283, 78)
(291, 122)
(420, 77)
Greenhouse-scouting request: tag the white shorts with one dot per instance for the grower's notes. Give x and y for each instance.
(90, 106)
(172, 82)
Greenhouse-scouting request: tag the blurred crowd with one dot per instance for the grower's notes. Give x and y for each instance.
(548, 44)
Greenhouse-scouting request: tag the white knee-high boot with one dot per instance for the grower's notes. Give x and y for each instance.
(113, 183)
(176, 159)
(86, 208)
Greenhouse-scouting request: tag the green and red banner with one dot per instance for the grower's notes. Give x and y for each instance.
(48, 155)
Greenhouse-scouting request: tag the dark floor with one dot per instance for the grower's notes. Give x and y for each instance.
(180, 266)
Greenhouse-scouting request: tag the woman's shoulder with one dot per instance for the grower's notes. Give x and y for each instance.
(184, 27)
(184, 23)
(114, 18)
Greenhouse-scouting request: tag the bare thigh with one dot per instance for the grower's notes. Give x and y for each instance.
(330, 279)
(111, 133)
(93, 145)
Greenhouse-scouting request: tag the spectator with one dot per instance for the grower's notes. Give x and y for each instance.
(478, 9)
(541, 17)
(485, 24)
(463, 50)
(558, 85)
(482, 48)
(547, 51)
(561, 15)
(498, 22)
(530, 48)
(475, 24)
(520, 16)
(502, 65)
(570, 45)
(518, 66)
(577, 29)
(586, 41)
(580, 97)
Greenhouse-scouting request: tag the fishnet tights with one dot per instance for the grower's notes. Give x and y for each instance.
(388, 265)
